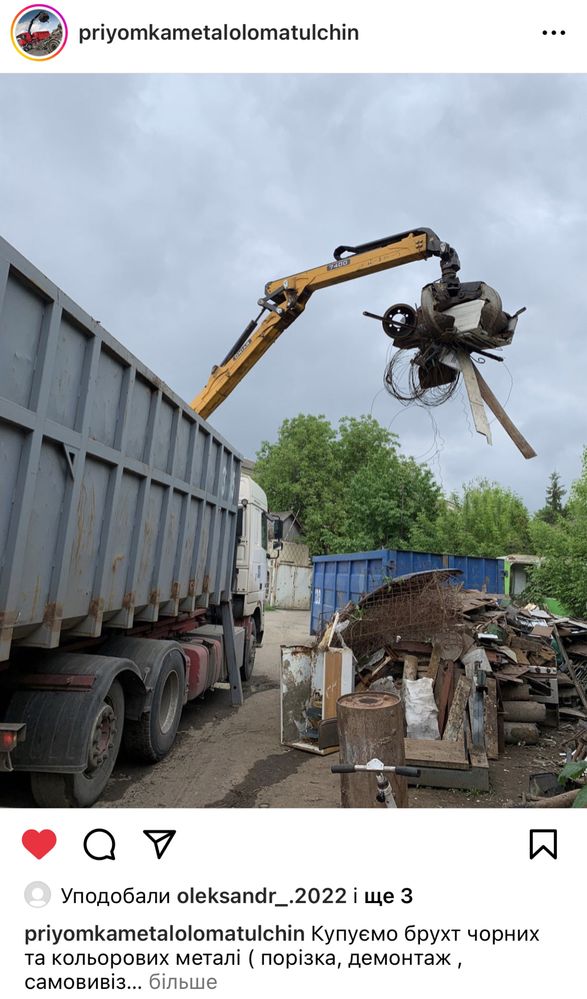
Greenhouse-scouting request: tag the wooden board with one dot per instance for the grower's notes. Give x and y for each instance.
(435, 752)
(454, 727)
(312, 747)
(434, 662)
(541, 631)
(491, 733)
(443, 689)
(332, 682)
(376, 674)
(499, 412)
(478, 759)
(577, 648)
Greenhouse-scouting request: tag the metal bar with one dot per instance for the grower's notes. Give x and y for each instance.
(68, 526)
(234, 673)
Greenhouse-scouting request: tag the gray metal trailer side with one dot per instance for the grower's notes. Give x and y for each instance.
(118, 513)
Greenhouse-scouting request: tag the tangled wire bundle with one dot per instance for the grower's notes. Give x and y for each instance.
(420, 376)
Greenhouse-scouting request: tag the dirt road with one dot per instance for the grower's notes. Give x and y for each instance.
(229, 758)
(232, 758)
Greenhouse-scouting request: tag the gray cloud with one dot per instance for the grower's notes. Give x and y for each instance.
(164, 203)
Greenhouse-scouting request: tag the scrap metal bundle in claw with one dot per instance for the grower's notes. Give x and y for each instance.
(436, 340)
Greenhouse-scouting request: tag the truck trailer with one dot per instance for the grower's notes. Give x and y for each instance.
(132, 578)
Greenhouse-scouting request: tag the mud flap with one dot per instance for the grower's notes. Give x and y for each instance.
(57, 701)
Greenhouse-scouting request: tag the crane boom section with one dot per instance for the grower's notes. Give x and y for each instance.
(285, 299)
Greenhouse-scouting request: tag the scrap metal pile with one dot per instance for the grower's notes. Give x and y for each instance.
(435, 341)
(474, 671)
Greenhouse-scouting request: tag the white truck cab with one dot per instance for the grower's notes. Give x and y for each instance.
(250, 585)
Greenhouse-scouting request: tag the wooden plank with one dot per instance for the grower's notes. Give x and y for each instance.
(328, 634)
(443, 692)
(473, 660)
(332, 682)
(468, 737)
(478, 759)
(376, 674)
(500, 414)
(454, 727)
(541, 631)
(311, 747)
(578, 648)
(438, 681)
(491, 732)
(430, 752)
(434, 661)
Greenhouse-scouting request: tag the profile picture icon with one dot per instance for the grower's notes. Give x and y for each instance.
(37, 894)
(39, 33)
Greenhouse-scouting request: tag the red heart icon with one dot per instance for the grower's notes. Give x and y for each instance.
(39, 843)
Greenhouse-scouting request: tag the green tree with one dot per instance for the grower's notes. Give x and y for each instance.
(554, 506)
(563, 544)
(486, 519)
(352, 489)
(299, 472)
(384, 500)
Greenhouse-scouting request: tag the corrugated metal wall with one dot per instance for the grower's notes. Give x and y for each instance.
(290, 577)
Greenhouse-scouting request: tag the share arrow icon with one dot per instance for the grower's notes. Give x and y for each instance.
(160, 838)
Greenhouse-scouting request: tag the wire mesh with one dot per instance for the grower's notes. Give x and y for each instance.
(423, 607)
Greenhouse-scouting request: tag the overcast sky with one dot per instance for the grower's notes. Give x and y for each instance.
(164, 204)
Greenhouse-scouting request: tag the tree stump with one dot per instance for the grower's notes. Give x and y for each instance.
(371, 726)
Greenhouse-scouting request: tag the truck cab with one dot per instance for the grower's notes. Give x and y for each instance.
(250, 577)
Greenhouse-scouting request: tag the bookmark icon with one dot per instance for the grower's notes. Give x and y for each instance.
(543, 841)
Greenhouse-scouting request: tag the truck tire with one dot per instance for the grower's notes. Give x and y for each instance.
(80, 790)
(251, 649)
(151, 737)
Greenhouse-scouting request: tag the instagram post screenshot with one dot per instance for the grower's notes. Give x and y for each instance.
(293, 498)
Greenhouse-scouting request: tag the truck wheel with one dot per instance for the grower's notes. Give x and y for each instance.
(151, 737)
(249, 664)
(83, 789)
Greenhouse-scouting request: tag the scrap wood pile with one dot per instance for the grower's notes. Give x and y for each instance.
(475, 672)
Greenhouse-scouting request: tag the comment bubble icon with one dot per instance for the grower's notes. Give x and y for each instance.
(99, 844)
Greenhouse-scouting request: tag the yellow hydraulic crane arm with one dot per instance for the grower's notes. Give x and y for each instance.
(286, 299)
